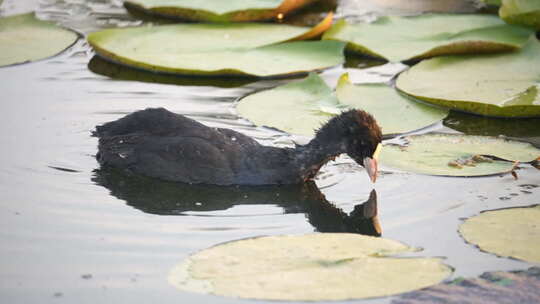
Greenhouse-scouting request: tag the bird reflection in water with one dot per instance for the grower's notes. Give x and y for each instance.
(170, 198)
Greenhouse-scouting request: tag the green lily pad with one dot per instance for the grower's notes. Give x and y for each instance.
(217, 49)
(219, 10)
(298, 107)
(384, 103)
(522, 12)
(305, 105)
(505, 85)
(24, 38)
(513, 232)
(456, 155)
(313, 267)
(406, 38)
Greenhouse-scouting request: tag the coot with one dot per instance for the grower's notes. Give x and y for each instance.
(157, 143)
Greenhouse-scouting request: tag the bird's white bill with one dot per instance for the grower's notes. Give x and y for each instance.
(371, 167)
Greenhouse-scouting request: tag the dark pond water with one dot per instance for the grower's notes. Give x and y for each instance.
(72, 234)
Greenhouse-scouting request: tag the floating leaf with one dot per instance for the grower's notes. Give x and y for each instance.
(217, 49)
(219, 10)
(522, 12)
(304, 106)
(405, 38)
(328, 266)
(298, 107)
(503, 85)
(456, 155)
(513, 232)
(24, 38)
(385, 104)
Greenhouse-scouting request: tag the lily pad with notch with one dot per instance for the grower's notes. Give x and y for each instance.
(305, 105)
(412, 38)
(24, 38)
(312, 267)
(385, 103)
(457, 155)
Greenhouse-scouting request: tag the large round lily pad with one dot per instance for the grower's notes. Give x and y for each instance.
(24, 38)
(219, 10)
(385, 103)
(302, 107)
(217, 49)
(313, 267)
(513, 232)
(456, 155)
(505, 85)
(405, 38)
(522, 12)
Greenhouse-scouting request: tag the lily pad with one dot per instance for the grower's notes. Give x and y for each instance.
(219, 10)
(522, 12)
(385, 103)
(24, 38)
(298, 107)
(406, 38)
(305, 105)
(313, 267)
(454, 154)
(513, 232)
(217, 49)
(504, 85)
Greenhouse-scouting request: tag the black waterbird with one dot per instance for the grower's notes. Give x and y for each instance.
(157, 143)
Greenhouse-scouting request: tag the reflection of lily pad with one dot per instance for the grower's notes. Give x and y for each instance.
(385, 104)
(492, 126)
(305, 105)
(492, 2)
(310, 267)
(442, 154)
(523, 12)
(103, 67)
(217, 49)
(513, 232)
(299, 107)
(404, 38)
(219, 10)
(24, 38)
(496, 85)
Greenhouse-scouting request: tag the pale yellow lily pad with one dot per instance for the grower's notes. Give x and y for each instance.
(313, 267)
(24, 38)
(513, 232)
(454, 154)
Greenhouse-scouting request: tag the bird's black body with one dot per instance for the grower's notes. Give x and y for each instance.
(161, 144)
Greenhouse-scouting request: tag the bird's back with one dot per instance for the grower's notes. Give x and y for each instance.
(158, 143)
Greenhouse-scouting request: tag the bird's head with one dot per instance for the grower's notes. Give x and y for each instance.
(361, 138)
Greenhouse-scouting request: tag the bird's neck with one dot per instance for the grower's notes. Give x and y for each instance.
(311, 157)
